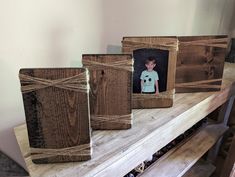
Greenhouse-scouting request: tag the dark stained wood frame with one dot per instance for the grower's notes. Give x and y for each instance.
(130, 44)
(50, 124)
(204, 55)
(98, 103)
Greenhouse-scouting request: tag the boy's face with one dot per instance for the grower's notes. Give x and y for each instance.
(150, 65)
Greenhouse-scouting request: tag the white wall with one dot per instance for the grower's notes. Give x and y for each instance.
(232, 26)
(165, 17)
(40, 33)
(55, 33)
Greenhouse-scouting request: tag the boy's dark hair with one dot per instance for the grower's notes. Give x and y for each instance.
(150, 59)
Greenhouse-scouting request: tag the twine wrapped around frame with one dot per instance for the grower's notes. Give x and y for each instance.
(80, 150)
(220, 42)
(166, 94)
(150, 44)
(200, 84)
(121, 65)
(121, 119)
(78, 83)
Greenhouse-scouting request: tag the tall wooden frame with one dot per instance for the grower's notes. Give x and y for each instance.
(164, 99)
(110, 94)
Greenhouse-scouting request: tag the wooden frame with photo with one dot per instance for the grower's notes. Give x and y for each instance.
(170, 44)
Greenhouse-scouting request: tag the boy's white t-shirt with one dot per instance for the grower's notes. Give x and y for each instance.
(149, 78)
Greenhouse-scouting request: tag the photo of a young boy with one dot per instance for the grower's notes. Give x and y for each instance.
(149, 77)
(150, 71)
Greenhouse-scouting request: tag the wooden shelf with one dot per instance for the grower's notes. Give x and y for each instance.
(200, 169)
(182, 158)
(121, 151)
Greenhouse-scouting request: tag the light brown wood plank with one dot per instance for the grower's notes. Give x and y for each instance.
(121, 151)
(184, 157)
(200, 169)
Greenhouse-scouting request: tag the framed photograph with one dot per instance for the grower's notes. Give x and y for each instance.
(154, 70)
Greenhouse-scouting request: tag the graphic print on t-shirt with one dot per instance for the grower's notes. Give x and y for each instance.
(149, 78)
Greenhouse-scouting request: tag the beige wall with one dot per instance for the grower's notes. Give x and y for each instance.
(232, 26)
(165, 17)
(55, 33)
(40, 33)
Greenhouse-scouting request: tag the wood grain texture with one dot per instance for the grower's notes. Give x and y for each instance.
(199, 58)
(200, 62)
(184, 157)
(121, 151)
(200, 169)
(130, 44)
(56, 118)
(110, 91)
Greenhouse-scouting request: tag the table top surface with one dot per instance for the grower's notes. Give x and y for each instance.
(119, 151)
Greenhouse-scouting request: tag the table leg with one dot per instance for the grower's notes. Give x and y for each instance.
(223, 119)
(229, 161)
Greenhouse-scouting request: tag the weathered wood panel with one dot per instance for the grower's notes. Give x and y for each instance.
(56, 118)
(111, 89)
(200, 58)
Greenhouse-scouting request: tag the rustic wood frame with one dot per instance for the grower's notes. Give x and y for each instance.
(130, 44)
(98, 102)
(204, 55)
(57, 117)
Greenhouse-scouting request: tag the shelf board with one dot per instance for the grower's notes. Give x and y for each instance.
(200, 169)
(180, 159)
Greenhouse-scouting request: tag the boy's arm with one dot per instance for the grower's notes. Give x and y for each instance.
(157, 89)
(142, 83)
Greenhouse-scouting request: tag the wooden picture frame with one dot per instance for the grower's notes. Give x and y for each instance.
(200, 63)
(56, 104)
(163, 99)
(111, 87)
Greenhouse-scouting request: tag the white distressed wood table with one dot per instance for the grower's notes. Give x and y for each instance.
(115, 153)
